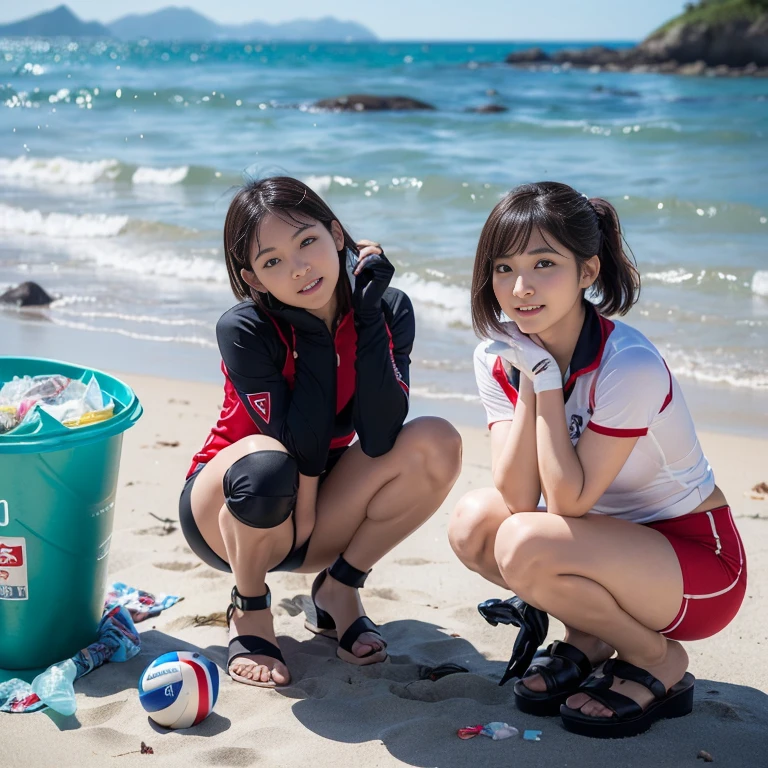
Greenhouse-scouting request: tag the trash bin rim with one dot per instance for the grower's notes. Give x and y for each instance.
(67, 438)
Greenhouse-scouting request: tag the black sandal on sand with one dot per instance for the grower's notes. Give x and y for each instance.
(324, 624)
(250, 645)
(533, 623)
(629, 718)
(563, 668)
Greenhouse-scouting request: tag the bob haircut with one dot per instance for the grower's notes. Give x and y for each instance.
(289, 199)
(586, 227)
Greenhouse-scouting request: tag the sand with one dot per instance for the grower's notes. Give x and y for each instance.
(425, 601)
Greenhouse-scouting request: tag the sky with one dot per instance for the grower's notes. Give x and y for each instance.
(413, 19)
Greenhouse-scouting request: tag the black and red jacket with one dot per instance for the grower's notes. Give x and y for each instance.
(312, 391)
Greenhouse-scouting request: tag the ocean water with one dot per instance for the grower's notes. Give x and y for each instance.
(117, 163)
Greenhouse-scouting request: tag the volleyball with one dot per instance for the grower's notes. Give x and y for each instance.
(179, 689)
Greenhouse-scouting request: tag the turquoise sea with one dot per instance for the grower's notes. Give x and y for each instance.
(117, 163)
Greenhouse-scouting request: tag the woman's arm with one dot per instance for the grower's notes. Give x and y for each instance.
(574, 479)
(382, 366)
(631, 391)
(514, 458)
(301, 419)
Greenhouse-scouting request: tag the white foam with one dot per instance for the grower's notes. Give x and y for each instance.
(669, 276)
(322, 184)
(444, 303)
(760, 283)
(196, 340)
(58, 170)
(60, 225)
(160, 176)
(157, 263)
(432, 395)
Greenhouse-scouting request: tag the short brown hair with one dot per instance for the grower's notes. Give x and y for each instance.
(584, 226)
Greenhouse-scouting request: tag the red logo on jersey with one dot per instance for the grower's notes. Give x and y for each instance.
(261, 404)
(10, 556)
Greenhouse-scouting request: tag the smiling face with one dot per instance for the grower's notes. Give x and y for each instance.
(543, 284)
(297, 261)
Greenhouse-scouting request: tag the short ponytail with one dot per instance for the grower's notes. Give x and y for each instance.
(618, 283)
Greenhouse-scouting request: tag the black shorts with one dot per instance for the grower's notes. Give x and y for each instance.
(293, 560)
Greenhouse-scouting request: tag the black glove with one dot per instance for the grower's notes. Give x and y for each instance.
(370, 284)
(533, 623)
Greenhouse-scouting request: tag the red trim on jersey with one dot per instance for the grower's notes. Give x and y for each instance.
(501, 376)
(668, 399)
(398, 376)
(613, 432)
(606, 328)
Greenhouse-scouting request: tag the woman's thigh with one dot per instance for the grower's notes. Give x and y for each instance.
(636, 564)
(207, 496)
(343, 499)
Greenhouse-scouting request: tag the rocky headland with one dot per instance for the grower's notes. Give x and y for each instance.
(718, 38)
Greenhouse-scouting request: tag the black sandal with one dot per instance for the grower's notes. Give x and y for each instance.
(629, 718)
(563, 668)
(324, 624)
(250, 645)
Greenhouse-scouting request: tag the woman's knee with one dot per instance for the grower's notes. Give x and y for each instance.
(473, 525)
(260, 488)
(523, 551)
(433, 449)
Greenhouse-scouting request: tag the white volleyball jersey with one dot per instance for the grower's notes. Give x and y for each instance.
(618, 384)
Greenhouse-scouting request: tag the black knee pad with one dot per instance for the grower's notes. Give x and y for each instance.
(260, 489)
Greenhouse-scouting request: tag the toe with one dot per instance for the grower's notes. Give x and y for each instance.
(535, 683)
(577, 701)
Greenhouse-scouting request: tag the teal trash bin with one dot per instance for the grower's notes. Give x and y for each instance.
(57, 503)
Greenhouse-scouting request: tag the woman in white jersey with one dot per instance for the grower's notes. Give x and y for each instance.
(634, 547)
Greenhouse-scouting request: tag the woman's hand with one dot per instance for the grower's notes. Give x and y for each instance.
(532, 360)
(372, 277)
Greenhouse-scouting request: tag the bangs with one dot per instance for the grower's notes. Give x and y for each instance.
(509, 233)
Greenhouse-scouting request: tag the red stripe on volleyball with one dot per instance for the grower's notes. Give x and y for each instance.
(203, 687)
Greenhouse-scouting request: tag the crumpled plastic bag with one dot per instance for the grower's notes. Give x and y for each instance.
(69, 401)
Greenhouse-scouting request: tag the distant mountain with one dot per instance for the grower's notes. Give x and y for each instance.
(60, 22)
(174, 23)
(166, 24)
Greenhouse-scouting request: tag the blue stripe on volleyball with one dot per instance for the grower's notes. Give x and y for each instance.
(154, 701)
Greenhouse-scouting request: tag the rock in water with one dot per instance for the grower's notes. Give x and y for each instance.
(26, 295)
(363, 102)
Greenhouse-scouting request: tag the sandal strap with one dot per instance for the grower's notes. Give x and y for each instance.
(357, 628)
(622, 705)
(561, 666)
(242, 603)
(627, 671)
(252, 645)
(563, 650)
(259, 603)
(347, 574)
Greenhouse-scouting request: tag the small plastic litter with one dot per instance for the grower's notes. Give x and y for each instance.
(69, 401)
(532, 735)
(496, 731)
(499, 731)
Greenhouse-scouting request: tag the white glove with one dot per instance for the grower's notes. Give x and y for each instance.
(529, 358)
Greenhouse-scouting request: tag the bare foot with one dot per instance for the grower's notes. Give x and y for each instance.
(670, 671)
(262, 669)
(344, 605)
(594, 649)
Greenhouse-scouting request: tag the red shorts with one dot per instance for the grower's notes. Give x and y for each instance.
(714, 568)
